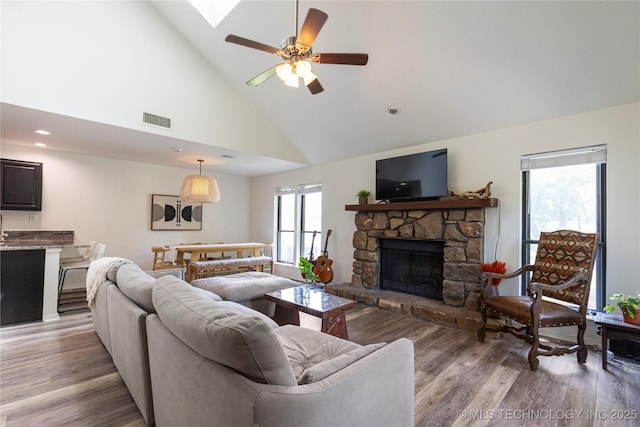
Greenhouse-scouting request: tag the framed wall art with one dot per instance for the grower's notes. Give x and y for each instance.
(173, 213)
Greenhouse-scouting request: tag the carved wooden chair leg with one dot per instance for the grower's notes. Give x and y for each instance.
(582, 351)
(481, 330)
(533, 353)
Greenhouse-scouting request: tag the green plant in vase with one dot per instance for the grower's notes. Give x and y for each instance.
(306, 268)
(629, 305)
(363, 196)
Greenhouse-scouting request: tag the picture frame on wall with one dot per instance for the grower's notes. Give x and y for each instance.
(172, 213)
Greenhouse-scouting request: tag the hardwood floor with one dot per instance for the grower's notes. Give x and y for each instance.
(58, 373)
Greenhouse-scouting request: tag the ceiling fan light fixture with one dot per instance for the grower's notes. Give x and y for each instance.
(296, 51)
(309, 77)
(302, 68)
(292, 80)
(284, 71)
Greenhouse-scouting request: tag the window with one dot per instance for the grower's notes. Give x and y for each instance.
(299, 217)
(566, 190)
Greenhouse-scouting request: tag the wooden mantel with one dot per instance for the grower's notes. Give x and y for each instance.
(427, 204)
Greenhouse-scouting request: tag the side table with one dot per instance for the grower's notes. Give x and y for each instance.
(611, 325)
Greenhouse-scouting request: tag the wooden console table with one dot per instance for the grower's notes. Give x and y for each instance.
(612, 326)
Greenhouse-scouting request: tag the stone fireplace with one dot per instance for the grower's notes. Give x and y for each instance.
(456, 225)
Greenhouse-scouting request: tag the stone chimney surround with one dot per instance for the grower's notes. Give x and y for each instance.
(457, 222)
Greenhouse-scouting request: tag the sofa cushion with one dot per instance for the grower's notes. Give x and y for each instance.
(136, 285)
(178, 272)
(223, 331)
(244, 286)
(315, 355)
(112, 272)
(332, 365)
(207, 294)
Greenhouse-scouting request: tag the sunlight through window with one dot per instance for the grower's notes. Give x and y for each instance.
(214, 11)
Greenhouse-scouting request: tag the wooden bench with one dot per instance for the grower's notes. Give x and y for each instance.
(199, 252)
(217, 267)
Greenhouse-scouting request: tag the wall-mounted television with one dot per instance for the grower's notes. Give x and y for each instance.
(20, 185)
(420, 176)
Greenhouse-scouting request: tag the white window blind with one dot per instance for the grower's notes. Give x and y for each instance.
(574, 156)
(310, 188)
(281, 191)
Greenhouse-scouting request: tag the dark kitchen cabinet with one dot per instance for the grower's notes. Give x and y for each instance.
(20, 185)
(21, 286)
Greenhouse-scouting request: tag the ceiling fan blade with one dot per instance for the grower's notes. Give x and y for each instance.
(265, 75)
(250, 43)
(315, 87)
(340, 58)
(311, 27)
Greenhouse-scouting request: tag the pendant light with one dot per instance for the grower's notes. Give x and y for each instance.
(200, 188)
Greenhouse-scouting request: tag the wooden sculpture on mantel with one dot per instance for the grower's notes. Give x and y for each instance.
(483, 193)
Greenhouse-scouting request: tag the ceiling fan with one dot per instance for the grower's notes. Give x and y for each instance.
(297, 55)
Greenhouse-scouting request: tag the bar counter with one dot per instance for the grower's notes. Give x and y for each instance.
(29, 274)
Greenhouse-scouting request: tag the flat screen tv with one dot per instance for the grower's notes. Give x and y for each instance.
(420, 176)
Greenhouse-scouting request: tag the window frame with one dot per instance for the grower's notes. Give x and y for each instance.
(300, 233)
(601, 217)
(278, 226)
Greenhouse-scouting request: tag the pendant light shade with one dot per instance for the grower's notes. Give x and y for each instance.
(199, 188)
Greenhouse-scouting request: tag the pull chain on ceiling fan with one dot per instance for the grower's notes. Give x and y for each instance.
(297, 54)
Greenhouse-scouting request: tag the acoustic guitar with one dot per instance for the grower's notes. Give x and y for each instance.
(323, 264)
(311, 258)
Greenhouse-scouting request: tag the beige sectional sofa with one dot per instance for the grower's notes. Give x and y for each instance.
(119, 311)
(191, 359)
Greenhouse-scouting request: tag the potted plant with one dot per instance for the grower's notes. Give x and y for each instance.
(629, 305)
(494, 267)
(306, 268)
(363, 196)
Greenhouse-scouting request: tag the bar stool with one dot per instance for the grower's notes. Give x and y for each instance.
(84, 257)
(82, 265)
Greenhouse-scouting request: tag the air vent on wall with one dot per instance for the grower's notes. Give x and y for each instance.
(155, 120)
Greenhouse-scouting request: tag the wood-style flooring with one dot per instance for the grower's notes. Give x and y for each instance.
(59, 374)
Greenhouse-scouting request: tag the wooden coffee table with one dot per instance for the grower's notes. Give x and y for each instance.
(330, 308)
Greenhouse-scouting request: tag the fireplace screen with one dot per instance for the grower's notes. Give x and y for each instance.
(412, 266)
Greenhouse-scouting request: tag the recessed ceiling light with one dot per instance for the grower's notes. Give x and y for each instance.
(177, 149)
(39, 144)
(393, 109)
(42, 132)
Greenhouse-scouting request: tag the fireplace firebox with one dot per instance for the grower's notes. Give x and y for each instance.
(413, 267)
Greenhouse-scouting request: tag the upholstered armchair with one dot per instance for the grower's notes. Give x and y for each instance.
(557, 294)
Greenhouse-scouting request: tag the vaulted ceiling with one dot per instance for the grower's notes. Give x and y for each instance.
(450, 68)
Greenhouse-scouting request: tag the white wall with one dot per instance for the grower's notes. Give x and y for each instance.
(109, 201)
(78, 58)
(473, 161)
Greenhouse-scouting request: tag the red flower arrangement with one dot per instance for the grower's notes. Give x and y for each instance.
(494, 267)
